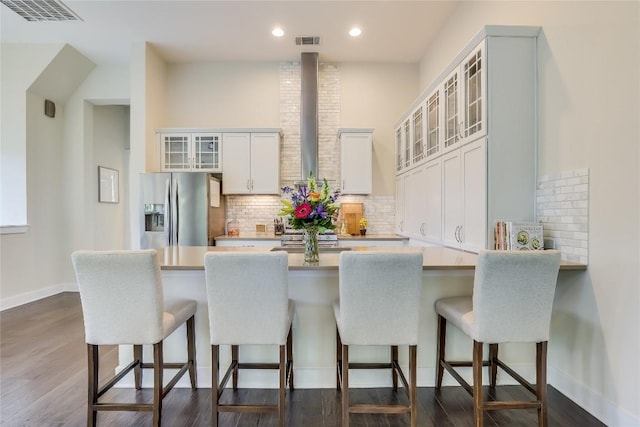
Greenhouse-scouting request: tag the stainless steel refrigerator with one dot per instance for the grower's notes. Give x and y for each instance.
(181, 209)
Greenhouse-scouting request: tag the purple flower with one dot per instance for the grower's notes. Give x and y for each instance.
(318, 211)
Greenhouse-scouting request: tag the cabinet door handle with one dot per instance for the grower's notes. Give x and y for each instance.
(457, 236)
(343, 184)
(248, 184)
(252, 184)
(422, 229)
(460, 127)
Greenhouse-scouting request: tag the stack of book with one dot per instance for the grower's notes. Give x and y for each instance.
(522, 236)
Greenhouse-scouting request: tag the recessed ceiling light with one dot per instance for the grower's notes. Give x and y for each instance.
(278, 32)
(355, 32)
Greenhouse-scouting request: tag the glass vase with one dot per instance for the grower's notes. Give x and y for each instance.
(311, 244)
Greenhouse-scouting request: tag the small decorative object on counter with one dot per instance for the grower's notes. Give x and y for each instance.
(363, 225)
(233, 228)
(312, 211)
(278, 226)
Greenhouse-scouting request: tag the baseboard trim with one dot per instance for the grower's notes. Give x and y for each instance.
(18, 300)
(594, 403)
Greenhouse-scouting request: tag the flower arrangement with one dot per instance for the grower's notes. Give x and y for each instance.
(363, 223)
(309, 206)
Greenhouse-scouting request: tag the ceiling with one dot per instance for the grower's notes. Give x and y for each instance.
(195, 31)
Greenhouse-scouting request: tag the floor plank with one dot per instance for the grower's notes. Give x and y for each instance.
(43, 383)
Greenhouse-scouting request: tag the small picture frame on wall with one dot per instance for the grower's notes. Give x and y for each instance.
(108, 186)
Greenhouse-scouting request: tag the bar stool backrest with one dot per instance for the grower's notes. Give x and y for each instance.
(121, 295)
(247, 294)
(513, 295)
(380, 297)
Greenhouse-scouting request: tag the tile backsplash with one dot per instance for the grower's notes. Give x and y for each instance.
(562, 205)
(252, 210)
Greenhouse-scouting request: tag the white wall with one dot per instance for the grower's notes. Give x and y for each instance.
(588, 56)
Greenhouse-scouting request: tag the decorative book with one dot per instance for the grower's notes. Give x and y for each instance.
(522, 236)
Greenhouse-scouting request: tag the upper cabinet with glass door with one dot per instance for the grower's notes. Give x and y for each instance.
(190, 151)
(464, 92)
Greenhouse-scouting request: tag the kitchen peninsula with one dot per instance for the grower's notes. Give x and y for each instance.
(447, 272)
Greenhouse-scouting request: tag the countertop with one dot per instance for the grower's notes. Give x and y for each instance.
(271, 236)
(435, 258)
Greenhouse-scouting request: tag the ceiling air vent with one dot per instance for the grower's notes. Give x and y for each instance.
(42, 10)
(307, 40)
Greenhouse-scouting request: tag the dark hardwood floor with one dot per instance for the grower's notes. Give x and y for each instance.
(43, 383)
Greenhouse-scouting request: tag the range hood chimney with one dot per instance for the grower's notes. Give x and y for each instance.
(309, 114)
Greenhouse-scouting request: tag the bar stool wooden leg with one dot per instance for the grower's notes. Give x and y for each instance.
(339, 359)
(413, 394)
(541, 382)
(92, 352)
(478, 408)
(191, 351)
(215, 350)
(345, 386)
(158, 368)
(442, 337)
(394, 362)
(493, 364)
(137, 371)
(234, 360)
(290, 359)
(281, 413)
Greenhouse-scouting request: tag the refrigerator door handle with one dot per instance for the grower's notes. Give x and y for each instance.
(167, 212)
(176, 216)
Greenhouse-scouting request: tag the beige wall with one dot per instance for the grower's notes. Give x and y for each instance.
(375, 96)
(589, 70)
(223, 94)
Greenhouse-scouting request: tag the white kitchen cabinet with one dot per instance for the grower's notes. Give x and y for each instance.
(431, 229)
(251, 163)
(190, 151)
(403, 207)
(356, 148)
(485, 97)
(464, 200)
(417, 206)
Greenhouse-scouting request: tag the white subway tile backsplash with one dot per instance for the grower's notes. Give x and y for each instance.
(562, 201)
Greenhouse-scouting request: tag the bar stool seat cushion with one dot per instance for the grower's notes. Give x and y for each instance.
(458, 311)
(176, 312)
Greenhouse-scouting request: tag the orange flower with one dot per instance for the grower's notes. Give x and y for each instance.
(314, 197)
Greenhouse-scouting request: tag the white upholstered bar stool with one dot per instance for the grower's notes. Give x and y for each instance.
(122, 303)
(248, 301)
(380, 306)
(512, 301)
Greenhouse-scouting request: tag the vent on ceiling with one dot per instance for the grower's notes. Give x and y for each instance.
(307, 40)
(42, 10)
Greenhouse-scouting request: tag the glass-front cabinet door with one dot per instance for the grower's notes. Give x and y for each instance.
(433, 124)
(176, 152)
(207, 151)
(418, 139)
(399, 149)
(451, 92)
(474, 78)
(406, 136)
